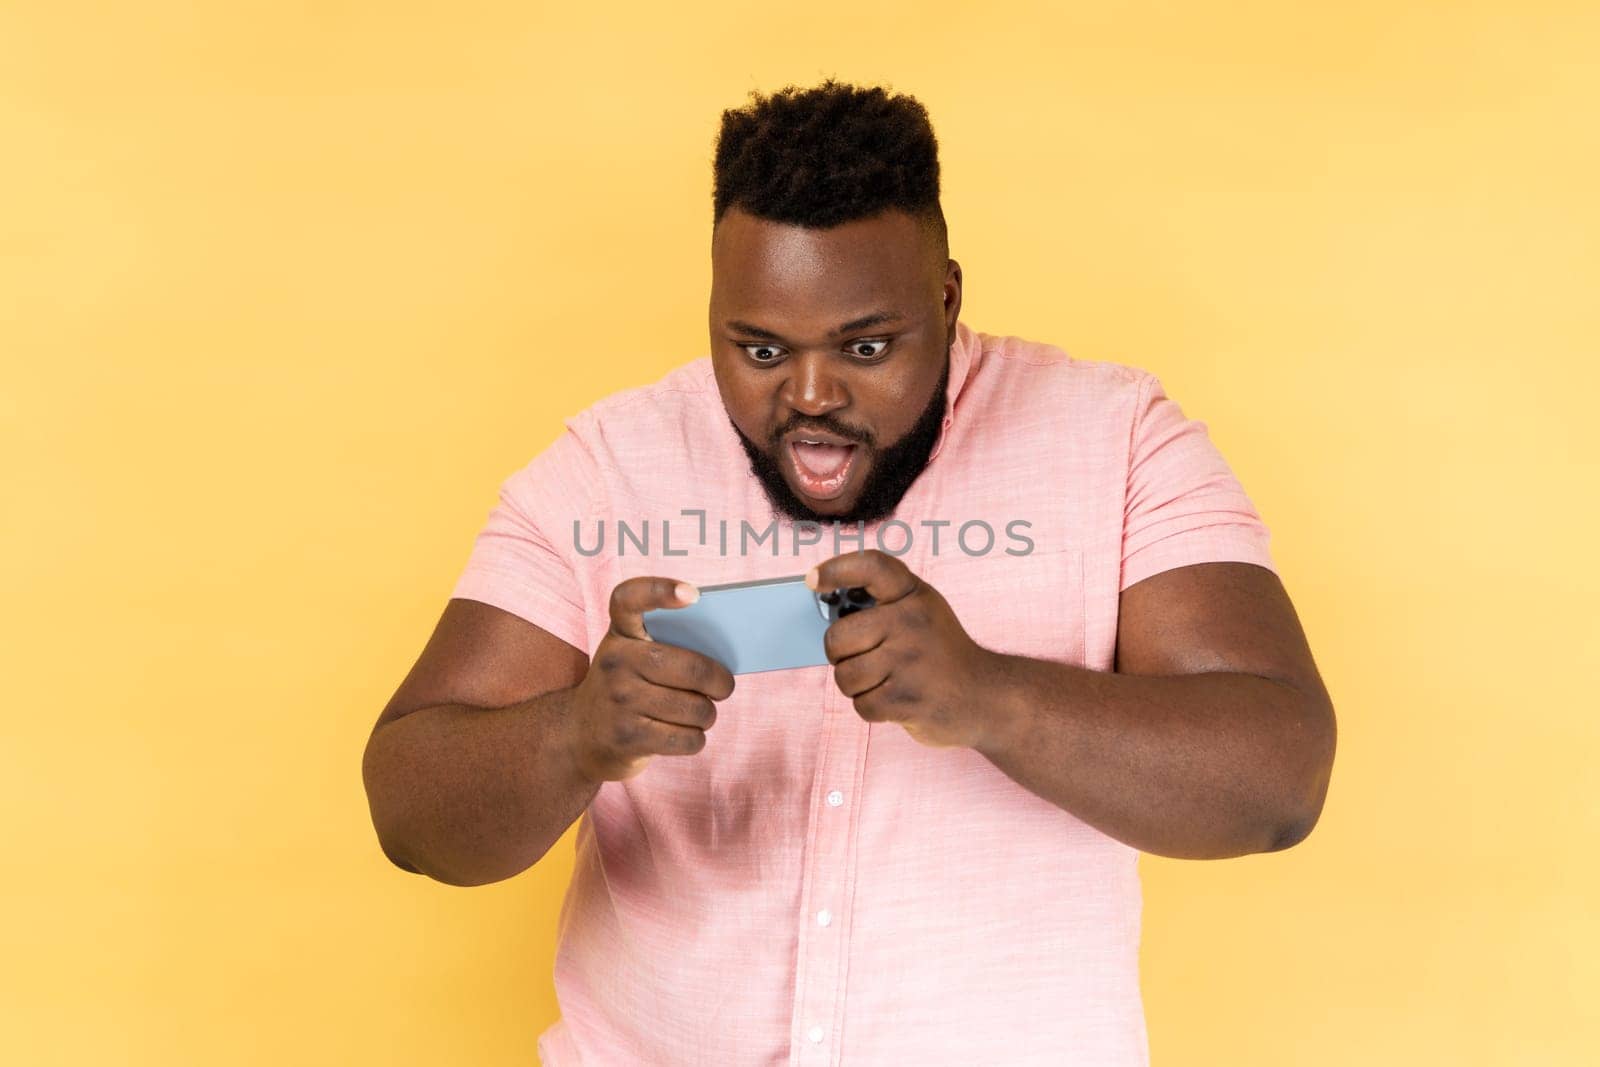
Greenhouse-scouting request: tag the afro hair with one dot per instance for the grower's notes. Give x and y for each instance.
(830, 154)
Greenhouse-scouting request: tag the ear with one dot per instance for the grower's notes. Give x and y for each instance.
(952, 301)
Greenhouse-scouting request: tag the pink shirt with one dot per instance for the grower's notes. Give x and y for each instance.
(811, 888)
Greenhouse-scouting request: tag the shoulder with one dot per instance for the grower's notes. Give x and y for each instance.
(1019, 370)
(687, 388)
(628, 429)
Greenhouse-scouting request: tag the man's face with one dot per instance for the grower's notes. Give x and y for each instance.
(831, 352)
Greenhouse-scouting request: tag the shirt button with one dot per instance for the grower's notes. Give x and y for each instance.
(815, 1034)
(824, 917)
(835, 798)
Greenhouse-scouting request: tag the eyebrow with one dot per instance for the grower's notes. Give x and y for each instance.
(877, 318)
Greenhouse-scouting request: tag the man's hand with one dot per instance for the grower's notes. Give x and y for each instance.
(907, 659)
(641, 698)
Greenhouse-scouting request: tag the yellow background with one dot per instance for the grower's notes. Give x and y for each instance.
(287, 289)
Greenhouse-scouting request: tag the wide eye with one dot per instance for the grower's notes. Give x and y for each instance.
(868, 350)
(763, 353)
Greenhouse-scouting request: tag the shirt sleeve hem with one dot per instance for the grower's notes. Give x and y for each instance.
(554, 618)
(1244, 544)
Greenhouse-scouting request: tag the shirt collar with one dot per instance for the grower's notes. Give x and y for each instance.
(962, 354)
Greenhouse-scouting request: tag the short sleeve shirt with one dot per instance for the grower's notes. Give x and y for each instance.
(811, 888)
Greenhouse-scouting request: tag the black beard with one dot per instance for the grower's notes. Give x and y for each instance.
(893, 468)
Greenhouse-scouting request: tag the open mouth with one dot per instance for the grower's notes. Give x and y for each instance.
(822, 467)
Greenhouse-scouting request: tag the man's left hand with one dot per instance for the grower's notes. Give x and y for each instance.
(907, 658)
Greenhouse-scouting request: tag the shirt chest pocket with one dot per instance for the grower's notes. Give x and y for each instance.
(1030, 605)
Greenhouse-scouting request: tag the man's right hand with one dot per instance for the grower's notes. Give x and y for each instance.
(641, 698)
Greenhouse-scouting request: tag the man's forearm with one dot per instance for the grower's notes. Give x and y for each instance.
(1199, 766)
(471, 795)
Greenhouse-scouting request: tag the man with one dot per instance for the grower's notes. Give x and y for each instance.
(923, 852)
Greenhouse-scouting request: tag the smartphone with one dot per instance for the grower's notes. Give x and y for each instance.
(771, 624)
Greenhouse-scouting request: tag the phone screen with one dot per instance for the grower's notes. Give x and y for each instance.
(771, 624)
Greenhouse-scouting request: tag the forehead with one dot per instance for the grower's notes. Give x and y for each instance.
(758, 262)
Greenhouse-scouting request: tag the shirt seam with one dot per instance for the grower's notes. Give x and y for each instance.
(1126, 373)
(1127, 472)
(1133, 433)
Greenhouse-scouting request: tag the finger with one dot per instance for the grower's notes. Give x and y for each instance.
(682, 668)
(677, 707)
(855, 634)
(880, 703)
(668, 739)
(636, 738)
(860, 674)
(631, 598)
(882, 575)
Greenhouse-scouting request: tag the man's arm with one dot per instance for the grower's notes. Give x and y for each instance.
(1214, 738)
(502, 734)
(469, 772)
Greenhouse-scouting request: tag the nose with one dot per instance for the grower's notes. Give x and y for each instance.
(813, 387)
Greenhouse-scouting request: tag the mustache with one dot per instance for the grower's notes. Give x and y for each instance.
(822, 425)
